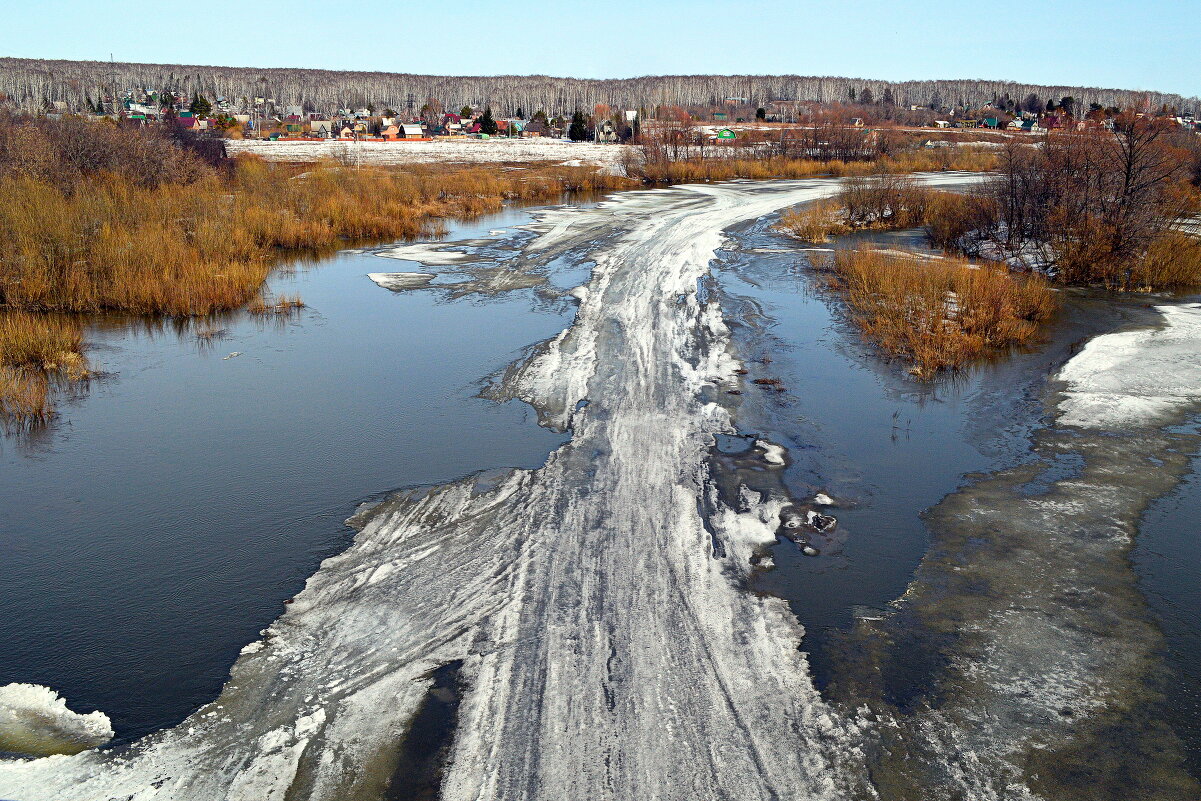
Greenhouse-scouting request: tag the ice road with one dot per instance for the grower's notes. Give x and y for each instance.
(609, 650)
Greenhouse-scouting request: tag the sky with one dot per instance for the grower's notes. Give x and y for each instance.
(1153, 44)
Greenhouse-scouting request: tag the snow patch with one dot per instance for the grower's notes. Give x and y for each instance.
(1135, 379)
(398, 282)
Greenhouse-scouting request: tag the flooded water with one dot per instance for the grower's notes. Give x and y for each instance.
(586, 599)
(163, 520)
(887, 448)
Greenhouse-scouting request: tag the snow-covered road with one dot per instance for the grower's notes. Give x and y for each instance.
(609, 649)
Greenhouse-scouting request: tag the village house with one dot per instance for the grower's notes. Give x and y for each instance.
(536, 128)
(605, 131)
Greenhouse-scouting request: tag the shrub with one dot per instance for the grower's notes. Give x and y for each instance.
(815, 222)
(939, 313)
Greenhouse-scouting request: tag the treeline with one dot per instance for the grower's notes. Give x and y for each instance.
(32, 83)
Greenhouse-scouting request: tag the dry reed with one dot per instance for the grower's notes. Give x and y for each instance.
(939, 313)
(36, 352)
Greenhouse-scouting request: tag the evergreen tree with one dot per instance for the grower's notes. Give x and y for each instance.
(487, 124)
(760, 113)
(578, 131)
(200, 105)
(466, 112)
(520, 113)
(865, 97)
(888, 99)
(851, 94)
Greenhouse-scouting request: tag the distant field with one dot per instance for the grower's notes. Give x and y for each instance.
(472, 151)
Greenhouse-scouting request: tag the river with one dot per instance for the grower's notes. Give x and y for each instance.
(607, 608)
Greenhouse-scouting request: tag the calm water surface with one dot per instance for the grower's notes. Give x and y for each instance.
(164, 519)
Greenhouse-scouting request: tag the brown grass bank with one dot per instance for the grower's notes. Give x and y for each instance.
(206, 245)
(695, 170)
(939, 314)
(891, 202)
(37, 351)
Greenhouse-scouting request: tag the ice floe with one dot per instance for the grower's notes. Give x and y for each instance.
(1133, 379)
(398, 282)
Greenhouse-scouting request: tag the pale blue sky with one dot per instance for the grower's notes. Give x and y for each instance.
(1153, 44)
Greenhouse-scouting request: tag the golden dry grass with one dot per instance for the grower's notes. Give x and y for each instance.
(36, 350)
(725, 169)
(891, 202)
(1172, 261)
(195, 249)
(815, 222)
(207, 246)
(939, 313)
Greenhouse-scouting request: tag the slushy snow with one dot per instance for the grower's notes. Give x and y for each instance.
(1134, 379)
(35, 720)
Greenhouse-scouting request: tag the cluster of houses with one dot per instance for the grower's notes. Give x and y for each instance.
(357, 125)
(263, 117)
(1034, 123)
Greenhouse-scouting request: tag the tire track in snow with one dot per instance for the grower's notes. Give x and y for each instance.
(607, 652)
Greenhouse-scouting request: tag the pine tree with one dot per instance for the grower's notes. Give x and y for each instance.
(465, 112)
(520, 113)
(200, 105)
(487, 124)
(760, 113)
(578, 131)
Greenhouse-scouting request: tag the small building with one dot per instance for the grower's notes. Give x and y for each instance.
(942, 123)
(536, 128)
(605, 132)
(390, 132)
(411, 131)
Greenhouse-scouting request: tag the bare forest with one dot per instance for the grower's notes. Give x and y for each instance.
(31, 84)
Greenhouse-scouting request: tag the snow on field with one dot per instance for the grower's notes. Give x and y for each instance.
(470, 151)
(1133, 379)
